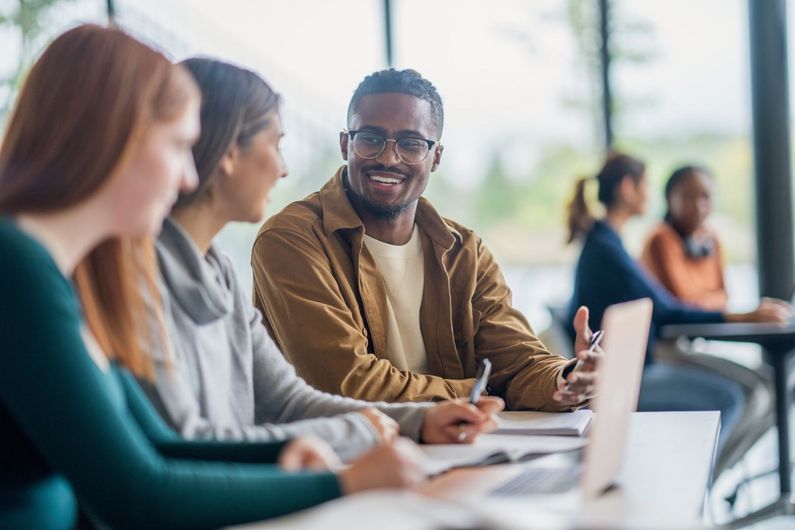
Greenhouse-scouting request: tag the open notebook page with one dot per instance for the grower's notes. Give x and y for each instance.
(492, 449)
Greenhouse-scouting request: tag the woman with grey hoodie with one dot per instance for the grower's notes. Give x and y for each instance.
(223, 377)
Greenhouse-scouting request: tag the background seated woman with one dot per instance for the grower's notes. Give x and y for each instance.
(682, 252)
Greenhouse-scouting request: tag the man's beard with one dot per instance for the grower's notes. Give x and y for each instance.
(379, 211)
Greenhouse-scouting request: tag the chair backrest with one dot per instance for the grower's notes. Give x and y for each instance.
(559, 329)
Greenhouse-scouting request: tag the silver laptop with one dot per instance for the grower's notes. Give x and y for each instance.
(626, 327)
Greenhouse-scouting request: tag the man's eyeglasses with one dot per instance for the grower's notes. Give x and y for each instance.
(409, 149)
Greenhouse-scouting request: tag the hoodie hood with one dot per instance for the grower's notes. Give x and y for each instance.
(197, 283)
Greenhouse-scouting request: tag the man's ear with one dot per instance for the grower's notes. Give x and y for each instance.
(344, 145)
(437, 157)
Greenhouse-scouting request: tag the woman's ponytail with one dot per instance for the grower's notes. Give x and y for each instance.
(580, 218)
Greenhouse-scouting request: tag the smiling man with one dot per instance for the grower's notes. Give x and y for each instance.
(372, 294)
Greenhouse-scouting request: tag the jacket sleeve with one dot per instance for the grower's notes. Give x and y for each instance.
(524, 373)
(298, 294)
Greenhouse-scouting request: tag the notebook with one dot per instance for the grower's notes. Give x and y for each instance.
(545, 423)
(490, 449)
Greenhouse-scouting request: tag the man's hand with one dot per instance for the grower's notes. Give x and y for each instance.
(458, 421)
(580, 386)
(583, 330)
(386, 427)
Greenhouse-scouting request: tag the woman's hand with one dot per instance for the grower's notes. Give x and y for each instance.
(308, 453)
(386, 427)
(458, 421)
(770, 310)
(393, 466)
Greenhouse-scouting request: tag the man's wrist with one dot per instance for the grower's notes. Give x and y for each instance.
(567, 368)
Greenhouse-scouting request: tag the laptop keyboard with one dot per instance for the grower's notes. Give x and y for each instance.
(540, 480)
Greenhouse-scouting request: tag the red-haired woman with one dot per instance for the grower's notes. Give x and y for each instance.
(97, 149)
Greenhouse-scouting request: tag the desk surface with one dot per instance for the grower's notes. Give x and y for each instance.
(663, 483)
(667, 468)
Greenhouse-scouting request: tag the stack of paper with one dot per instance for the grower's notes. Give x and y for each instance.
(545, 423)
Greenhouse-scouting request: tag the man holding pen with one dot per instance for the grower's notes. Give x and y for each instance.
(372, 294)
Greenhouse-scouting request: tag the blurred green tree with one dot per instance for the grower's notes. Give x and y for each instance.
(28, 19)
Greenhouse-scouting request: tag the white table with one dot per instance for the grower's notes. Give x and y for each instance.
(666, 474)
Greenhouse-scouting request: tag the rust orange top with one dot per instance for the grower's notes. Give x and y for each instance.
(698, 281)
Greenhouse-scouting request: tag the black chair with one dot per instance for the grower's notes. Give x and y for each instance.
(557, 337)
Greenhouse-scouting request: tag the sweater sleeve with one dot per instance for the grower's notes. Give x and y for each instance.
(282, 396)
(64, 404)
(285, 406)
(168, 443)
(173, 396)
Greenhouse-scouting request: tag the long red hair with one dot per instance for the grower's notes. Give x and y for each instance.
(82, 112)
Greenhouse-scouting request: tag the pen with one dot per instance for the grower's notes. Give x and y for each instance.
(482, 377)
(596, 338)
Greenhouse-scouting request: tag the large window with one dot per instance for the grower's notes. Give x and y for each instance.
(519, 127)
(521, 89)
(519, 111)
(26, 28)
(681, 80)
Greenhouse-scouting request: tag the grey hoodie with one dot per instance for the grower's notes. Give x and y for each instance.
(228, 379)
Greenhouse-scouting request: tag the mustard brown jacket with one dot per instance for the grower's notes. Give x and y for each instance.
(324, 303)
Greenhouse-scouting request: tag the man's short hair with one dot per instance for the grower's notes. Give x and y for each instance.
(393, 81)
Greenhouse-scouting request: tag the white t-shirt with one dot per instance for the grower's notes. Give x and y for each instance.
(404, 275)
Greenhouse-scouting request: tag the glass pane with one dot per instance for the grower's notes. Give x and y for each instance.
(683, 97)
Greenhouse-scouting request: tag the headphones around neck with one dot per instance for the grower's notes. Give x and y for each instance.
(699, 249)
(696, 248)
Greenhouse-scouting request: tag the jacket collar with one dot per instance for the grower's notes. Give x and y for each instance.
(338, 214)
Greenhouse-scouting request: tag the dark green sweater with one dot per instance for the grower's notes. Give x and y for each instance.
(69, 430)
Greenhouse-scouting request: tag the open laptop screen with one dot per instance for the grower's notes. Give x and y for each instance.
(626, 328)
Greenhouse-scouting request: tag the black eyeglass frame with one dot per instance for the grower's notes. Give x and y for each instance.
(431, 143)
